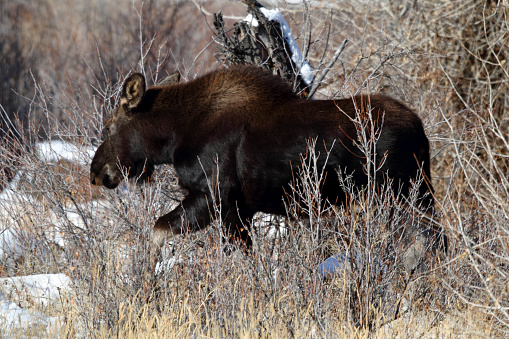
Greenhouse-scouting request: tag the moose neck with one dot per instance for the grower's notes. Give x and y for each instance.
(164, 113)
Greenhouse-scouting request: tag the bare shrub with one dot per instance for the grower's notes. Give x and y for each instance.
(446, 58)
(477, 216)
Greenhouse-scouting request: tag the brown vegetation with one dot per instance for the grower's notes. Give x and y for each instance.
(62, 65)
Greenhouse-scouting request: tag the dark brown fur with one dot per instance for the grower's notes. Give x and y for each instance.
(256, 128)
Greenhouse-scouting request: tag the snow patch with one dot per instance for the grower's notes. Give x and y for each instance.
(31, 292)
(305, 69)
(276, 225)
(16, 321)
(40, 291)
(251, 20)
(55, 150)
(339, 263)
(11, 243)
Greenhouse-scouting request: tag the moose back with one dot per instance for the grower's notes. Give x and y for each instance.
(247, 128)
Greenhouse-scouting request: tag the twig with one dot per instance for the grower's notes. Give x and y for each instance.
(204, 11)
(327, 69)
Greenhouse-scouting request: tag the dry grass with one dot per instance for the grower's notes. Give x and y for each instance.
(446, 58)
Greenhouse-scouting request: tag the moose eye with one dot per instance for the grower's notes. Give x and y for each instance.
(105, 132)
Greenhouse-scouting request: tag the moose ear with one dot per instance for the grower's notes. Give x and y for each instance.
(133, 91)
(170, 79)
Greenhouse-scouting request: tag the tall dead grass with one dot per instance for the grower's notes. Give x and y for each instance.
(446, 58)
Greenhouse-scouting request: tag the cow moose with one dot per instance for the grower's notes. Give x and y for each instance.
(249, 127)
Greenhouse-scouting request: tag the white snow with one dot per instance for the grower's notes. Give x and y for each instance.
(251, 20)
(11, 243)
(27, 302)
(10, 189)
(41, 291)
(276, 225)
(33, 293)
(54, 150)
(14, 319)
(50, 151)
(305, 69)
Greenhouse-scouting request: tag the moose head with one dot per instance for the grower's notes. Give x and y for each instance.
(122, 152)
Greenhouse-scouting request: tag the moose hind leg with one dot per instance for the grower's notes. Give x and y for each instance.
(236, 226)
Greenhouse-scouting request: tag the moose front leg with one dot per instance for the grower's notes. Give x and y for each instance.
(191, 215)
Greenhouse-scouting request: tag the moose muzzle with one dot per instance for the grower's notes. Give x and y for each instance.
(105, 177)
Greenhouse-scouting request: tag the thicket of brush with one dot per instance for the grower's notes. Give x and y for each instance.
(62, 65)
